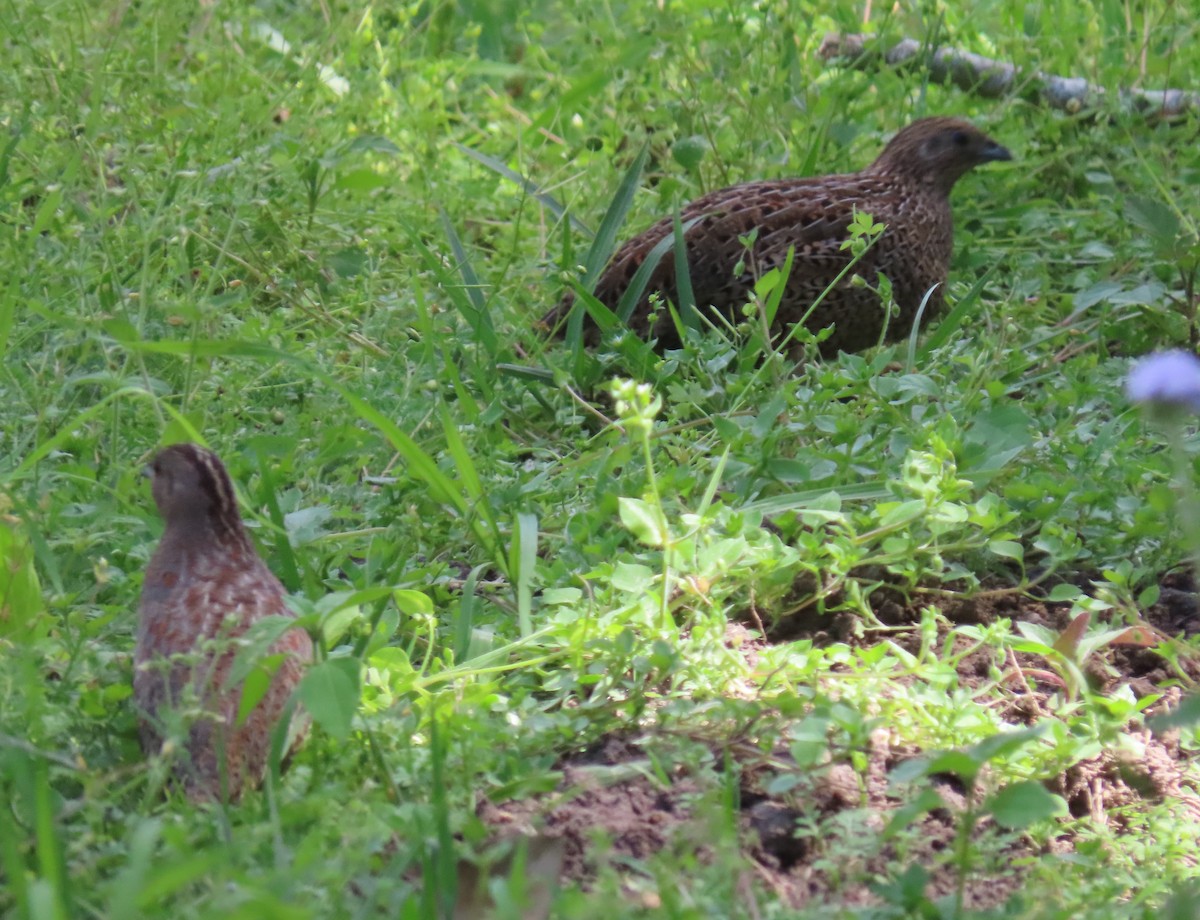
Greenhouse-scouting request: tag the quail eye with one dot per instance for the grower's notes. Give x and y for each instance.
(960, 138)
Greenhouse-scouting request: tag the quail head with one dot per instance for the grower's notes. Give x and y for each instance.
(205, 587)
(907, 188)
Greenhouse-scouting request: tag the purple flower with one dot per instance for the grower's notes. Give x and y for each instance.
(1166, 379)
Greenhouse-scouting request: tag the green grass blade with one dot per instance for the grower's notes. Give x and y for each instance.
(523, 561)
(776, 296)
(480, 502)
(873, 491)
(445, 876)
(460, 293)
(51, 862)
(687, 305)
(638, 357)
(10, 856)
(605, 241)
(283, 546)
(953, 320)
(522, 372)
(68, 430)
(637, 286)
(714, 483)
(551, 203)
(474, 306)
(464, 621)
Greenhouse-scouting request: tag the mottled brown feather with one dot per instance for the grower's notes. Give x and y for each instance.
(907, 188)
(205, 587)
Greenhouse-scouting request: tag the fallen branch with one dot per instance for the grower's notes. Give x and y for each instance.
(993, 79)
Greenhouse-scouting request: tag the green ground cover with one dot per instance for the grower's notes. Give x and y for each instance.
(296, 232)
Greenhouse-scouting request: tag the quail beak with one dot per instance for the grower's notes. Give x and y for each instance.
(994, 151)
(148, 471)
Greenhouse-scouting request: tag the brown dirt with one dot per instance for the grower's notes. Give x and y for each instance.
(822, 842)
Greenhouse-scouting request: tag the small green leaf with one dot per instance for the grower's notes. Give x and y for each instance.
(256, 685)
(303, 525)
(1003, 743)
(631, 577)
(338, 623)
(364, 179)
(644, 521)
(329, 691)
(555, 596)
(926, 801)
(1019, 805)
(1155, 217)
(1007, 549)
(898, 513)
(392, 660)
(1062, 593)
(413, 603)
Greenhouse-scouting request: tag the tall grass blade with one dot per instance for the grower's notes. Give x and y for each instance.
(474, 307)
(953, 320)
(687, 305)
(641, 278)
(127, 886)
(714, 483)
(445, 875)
(811, 499)
(283, 546)
(469, 476)
(601, 251)
(460, 294)
(524, 563)
(605, 241)
(10, 296)
(52, 865)
(771, 308)
(551, 203)
(466, 399)
(11, 859)
(915, 332)
(464, 622)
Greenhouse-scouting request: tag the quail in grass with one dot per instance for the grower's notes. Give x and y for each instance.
(907, 188)
(205, 587)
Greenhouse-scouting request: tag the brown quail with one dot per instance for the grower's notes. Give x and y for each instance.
(205, 587)
(907, 188)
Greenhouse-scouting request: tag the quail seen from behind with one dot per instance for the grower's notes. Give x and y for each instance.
(205, 587)
(907, 188)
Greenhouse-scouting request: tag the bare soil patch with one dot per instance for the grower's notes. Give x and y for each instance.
(823, 841)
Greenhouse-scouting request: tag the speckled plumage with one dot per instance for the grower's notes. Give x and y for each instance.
(907, 188)
(205, 587)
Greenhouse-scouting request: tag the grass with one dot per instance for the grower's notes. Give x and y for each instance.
(318, 238)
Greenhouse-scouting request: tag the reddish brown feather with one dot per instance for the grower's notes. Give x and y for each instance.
(907, 188)
(205, 587)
